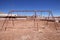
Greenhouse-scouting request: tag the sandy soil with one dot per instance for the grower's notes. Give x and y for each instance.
(29, 30)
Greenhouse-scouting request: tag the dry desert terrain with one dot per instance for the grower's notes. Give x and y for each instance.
(29, 30)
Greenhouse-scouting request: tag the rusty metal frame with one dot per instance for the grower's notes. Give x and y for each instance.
(35, 16)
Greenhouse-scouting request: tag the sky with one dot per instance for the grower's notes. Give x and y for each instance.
(53, 5)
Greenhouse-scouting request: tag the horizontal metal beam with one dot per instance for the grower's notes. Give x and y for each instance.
(30, 11)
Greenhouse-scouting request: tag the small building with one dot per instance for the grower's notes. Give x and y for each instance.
(5, 14)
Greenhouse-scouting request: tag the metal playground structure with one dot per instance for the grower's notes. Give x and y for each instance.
(34, 17)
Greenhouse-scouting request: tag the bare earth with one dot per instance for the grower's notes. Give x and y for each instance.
(28, 30)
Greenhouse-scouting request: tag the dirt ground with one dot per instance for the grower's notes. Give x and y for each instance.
(29, 30)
